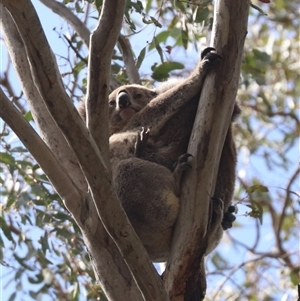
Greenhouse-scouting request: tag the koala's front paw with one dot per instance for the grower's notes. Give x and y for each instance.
(141, 141)
(184, 159)
(209, 57)
(228, 218)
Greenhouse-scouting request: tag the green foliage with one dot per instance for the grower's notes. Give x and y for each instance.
(161, 72)
(140, 58)
(257, 210)
(201, 14)
(257, 187)
(38, 235)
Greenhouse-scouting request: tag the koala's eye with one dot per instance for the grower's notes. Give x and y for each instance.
(112, 103)
(138, 95)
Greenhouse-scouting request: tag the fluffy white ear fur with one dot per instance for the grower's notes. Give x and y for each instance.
(167, 85)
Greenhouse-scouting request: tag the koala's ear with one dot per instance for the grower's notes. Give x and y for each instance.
(153, 93)
(81, 110)
(165, 86)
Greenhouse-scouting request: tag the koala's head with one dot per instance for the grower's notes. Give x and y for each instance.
(125, 102)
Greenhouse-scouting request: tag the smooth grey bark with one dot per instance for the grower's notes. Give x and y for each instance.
(206, 143)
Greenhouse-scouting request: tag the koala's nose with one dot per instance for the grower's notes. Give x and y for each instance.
(123, 100)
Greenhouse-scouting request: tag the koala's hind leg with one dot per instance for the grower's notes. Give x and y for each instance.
(228, 218)
(220, 221)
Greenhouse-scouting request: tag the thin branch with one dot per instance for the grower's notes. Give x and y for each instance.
(81, 29)
(67, 14)
(42, 154)
(276, 220)
(281, 220)
(131, 70)
(287, 200)
(274, 255)
(274, 114)
(4, 81)
(84, 34)
(76, 51)
(231, 273)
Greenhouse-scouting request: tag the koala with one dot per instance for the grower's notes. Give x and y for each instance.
(147, 166)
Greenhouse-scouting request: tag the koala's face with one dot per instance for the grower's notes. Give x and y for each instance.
(125, 102)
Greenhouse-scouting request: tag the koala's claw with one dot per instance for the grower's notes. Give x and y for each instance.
(184, 161)
(141, 141)
(231, 209)
(206, 51)
(210, 56)
(228, 218)
(185, 158)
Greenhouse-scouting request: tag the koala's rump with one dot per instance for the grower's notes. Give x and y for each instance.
(147, 195)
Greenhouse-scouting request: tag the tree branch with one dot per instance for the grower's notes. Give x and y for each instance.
(107, 30)
(45, 75)
(39, 150)
(84, 34)
(129, 62)
(66, 14)
(206, 143)
(81, 29)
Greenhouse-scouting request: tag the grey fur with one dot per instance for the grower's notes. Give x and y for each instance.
(144, 176)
